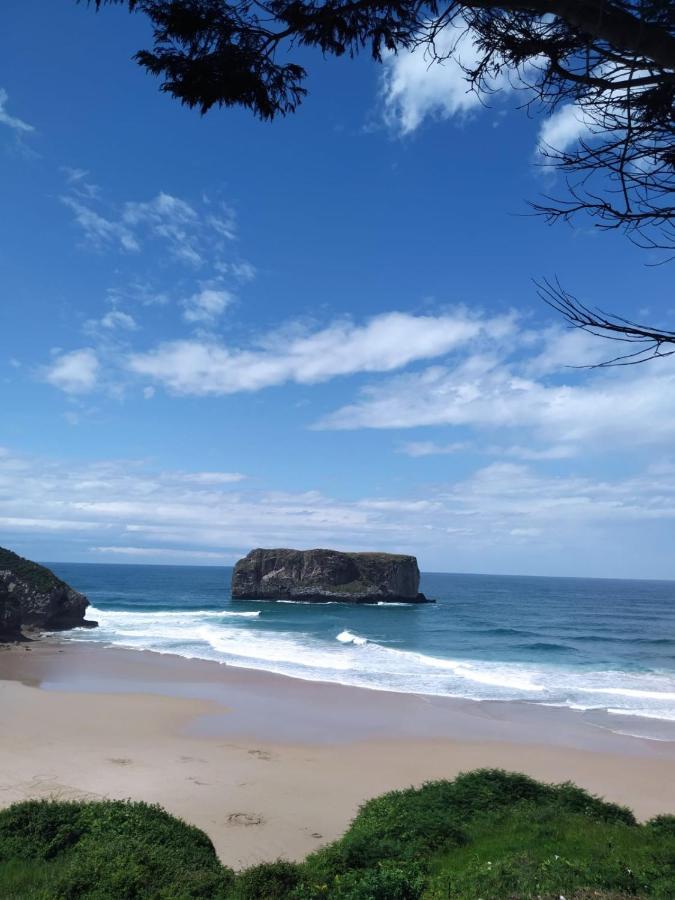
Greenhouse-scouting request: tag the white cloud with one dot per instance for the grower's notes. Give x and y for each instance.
(616, 408)
(418, 449)
(46, 524)
(388, 341)
(12, 122)
(562, 130)
(211, 478)
(118, 319)
(243, 271)
(557, 451)
(204, 510)
(75, 372)
(113, 321)
(431, 448)
(161, 210)
(77, 179)
(164, 552)
(206, 306)
(100, 231)
(503, 516)
(168, 218)
(416, 88)
(558, 350)
(195, 236)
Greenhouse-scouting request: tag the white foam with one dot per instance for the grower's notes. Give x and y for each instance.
(178, 614)
(643, 714)
(242, 615)
(308, 602)
(346, 637)
(240, 639)
(629, 692)
(387, 603)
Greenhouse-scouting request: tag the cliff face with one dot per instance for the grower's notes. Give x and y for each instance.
(31, 596)
(323, 575)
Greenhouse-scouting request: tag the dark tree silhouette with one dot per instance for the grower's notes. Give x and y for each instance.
(612, 60)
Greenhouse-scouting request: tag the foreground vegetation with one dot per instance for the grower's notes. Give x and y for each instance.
(487, 834)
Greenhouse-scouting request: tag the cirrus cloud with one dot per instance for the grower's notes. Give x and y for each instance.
(17, 125)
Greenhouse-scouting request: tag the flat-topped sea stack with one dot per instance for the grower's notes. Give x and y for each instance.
(33, 598)
(322, 576)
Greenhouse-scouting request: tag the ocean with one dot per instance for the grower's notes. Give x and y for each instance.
(589, 644)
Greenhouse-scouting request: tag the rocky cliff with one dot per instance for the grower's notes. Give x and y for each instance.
(324, 575)
(31, 596)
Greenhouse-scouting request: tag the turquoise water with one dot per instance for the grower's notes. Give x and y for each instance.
(581, 643)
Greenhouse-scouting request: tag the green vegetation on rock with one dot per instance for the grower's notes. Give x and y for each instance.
(487, 834)
(39, 577)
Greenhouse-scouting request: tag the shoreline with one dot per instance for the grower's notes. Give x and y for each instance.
(650, 728)
(264, 763)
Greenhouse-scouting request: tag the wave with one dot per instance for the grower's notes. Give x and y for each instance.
(176, 614)
(547, 645)
(616, 639)
(306, 602)
(631, 692)
(244, 639)
(506, 632)
(346, 637)
(410, 605)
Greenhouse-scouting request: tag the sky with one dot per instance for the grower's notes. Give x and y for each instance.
(219, 333)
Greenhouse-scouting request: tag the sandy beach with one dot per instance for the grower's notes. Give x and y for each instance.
(271, 766)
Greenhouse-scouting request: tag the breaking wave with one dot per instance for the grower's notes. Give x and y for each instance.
(247, 639)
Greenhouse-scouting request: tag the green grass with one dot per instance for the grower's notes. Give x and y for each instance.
(38, 576)
(487, 834)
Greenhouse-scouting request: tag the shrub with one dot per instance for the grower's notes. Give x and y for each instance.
(664, 825)
(388, 881)
(268, 881)
(112, 849)
(416, 823)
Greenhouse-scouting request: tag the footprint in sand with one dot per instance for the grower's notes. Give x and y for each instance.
(245, 819)
(260, 754)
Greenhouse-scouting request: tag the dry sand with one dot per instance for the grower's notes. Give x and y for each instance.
(270, 766)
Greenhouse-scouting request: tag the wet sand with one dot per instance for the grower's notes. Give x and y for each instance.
(271, 766)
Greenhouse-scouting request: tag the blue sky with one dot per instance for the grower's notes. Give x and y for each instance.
(220, 333)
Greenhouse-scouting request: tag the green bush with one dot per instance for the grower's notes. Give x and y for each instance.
(387, 881)
(268, 881)
(417, 823)
(112, 849)
(663, 824)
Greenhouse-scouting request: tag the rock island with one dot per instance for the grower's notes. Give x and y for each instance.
(321, 576)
